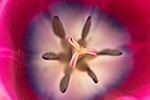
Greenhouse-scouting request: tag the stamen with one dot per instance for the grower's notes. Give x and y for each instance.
(86, 27)
(85, 67)
(50, 56)
(64, 83)
(112, 52)
(92, 75)
(78, 52)
(58, 27)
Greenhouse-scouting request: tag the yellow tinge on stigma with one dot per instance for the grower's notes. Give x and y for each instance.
(78, 51)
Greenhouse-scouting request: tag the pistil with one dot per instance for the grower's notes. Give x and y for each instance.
(79, 51)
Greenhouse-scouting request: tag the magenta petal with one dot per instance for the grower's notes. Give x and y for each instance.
(134, 14)
(127, 98)
(13, 21)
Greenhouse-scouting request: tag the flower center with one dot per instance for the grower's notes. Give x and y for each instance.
(78, 51)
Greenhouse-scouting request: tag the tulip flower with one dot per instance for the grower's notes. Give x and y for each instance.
(61, 50)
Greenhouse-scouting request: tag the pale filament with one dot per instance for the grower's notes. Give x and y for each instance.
(79, 52)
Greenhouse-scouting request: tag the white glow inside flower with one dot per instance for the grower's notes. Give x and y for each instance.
(44, 76)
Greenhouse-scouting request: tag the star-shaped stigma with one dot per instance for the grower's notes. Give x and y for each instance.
(79, 51)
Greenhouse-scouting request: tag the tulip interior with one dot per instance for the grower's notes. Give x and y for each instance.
(73, 47)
